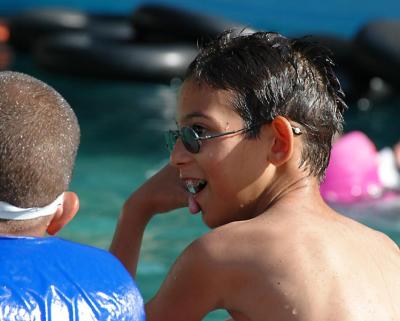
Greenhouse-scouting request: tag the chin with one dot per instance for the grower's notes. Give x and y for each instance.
(213, 221)
(210, 220)
(210, 223)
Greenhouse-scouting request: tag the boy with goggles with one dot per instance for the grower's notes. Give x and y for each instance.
(48, 278)
(256, 117)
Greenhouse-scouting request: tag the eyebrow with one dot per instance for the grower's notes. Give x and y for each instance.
(196, 115)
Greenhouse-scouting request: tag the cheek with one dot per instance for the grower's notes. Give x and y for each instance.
(215, 168)
(240, 176)
(223, 179)
(218, 171)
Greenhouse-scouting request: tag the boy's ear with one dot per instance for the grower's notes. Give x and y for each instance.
(64, 213)
(282, 148)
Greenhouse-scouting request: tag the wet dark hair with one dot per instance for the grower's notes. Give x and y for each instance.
(39, 138)
(271, 75)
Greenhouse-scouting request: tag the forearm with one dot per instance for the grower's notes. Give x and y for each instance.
(162, 193)
(128, 236)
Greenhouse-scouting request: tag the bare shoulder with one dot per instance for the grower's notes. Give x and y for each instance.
(195, 285)
(271, 257)
(369, 235)
(386, 241)
(244, 254)
(251, 252)
(240, 240)
(213, 272)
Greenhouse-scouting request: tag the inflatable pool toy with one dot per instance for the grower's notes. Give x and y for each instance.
(162, 23)
(81, 54)
(73, 42)
(358, 173)
(379, 40)
(352, 174)
(168, 36)
(32, 25)
(51, 279)
(4, 31)
(345, 53)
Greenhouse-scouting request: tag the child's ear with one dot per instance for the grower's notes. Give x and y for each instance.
(64, 213)
(282, 148)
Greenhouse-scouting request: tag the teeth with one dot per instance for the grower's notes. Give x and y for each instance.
(195, 186)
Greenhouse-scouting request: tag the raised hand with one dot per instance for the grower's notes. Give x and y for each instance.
(161, 193)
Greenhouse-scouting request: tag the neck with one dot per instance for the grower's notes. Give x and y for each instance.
(290, 190)
(36, 227)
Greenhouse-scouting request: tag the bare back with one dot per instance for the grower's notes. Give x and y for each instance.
(310, 267)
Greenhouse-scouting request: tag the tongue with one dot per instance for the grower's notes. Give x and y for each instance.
(193, 205)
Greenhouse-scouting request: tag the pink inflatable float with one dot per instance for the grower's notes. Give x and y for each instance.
(358, 173)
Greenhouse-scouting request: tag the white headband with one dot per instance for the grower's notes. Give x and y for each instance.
(11, 212)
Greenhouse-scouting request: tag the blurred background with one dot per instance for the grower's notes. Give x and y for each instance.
(120, 63)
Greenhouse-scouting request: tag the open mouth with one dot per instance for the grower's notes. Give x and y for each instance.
(195, 186)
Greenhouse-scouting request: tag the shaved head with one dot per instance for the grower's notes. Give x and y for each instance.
(39, 138)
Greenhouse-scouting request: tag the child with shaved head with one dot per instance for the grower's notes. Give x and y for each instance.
(48, 278)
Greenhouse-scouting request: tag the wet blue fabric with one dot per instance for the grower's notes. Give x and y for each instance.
(51, 279)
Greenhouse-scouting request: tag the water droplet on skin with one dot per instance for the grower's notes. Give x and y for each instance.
(241, 205)
(294, 312)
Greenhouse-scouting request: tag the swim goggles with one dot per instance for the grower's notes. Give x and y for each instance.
(192, 141)
(11, 212)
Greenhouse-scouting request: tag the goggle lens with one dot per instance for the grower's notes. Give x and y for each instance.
(171, 137)
(189, 139)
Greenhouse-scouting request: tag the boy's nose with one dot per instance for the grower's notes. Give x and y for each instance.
(179, 155)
